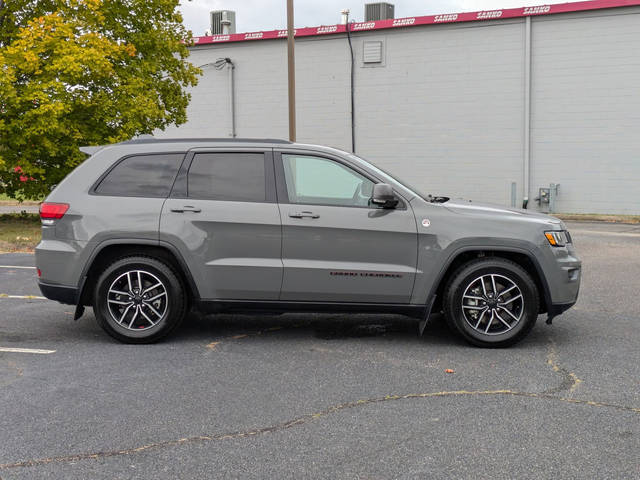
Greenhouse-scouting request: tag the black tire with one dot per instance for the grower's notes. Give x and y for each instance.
(469, 296)
(155, 319)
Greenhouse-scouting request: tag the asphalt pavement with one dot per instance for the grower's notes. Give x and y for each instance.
(326, 396)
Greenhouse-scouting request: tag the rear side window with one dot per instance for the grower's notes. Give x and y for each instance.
(236, 177)
(142, 176)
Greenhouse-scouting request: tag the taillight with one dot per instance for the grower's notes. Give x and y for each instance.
(53, 211)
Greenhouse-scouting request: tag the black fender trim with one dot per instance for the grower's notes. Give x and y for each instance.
(136, 242)
(483, 248)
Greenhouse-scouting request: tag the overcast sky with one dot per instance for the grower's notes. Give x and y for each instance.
(254, 15)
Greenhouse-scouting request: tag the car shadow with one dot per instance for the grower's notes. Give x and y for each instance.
(327, 327)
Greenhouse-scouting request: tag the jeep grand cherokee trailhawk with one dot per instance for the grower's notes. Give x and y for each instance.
(145, 230)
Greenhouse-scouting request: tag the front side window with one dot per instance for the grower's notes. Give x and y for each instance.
(142, 176)
(227, 176)
(320, 181)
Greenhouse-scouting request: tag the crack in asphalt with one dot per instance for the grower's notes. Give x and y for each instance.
(570, 380)
(256, 333)
(304, 419)
(17, 372)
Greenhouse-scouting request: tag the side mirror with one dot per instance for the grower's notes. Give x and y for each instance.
(383, 196)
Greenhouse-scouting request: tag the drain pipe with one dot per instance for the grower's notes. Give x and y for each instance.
(526, 163)
(345, 16)
(220, 64)
(232, 97)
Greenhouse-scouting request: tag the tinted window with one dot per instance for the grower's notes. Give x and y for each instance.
(228, 176)
(142, 176)
(320, 181)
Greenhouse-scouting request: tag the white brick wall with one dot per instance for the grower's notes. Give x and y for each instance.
(446, 109)
(586, 110)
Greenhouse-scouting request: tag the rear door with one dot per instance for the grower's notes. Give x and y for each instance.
(223, 217)
(336, 247)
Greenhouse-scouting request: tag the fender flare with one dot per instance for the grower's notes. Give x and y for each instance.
(546, 292)
(132, 242)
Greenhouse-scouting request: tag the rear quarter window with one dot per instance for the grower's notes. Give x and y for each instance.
(141, 176)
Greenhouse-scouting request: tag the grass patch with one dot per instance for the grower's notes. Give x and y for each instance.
(19, 232)
(597, 217)
(7, 200)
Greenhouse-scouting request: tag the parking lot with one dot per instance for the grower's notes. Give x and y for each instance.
(326, 396)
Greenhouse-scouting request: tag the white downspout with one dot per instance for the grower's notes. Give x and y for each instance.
(526, 164)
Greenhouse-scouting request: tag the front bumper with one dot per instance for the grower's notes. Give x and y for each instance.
(563, 277)
(59, 293)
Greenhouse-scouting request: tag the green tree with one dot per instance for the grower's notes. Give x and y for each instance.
(84, 72)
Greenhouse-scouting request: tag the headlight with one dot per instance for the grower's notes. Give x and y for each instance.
(558, 238)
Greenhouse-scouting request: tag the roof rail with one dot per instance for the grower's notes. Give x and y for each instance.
(149, 139)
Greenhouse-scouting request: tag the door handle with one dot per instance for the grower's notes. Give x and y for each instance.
(304, 215)
(186, 208)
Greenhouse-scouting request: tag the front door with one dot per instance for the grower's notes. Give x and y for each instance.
(223, 217)
(335, 246)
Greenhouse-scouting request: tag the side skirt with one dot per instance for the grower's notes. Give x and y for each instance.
(276, 306)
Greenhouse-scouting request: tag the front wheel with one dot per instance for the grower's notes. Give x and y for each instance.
(491, 302)
(139, 300)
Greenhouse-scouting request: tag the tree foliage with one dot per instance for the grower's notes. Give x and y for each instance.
(84, 72)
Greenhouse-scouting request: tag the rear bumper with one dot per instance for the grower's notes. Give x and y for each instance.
(59, 293)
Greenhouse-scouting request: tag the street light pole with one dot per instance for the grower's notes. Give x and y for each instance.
(292, 71)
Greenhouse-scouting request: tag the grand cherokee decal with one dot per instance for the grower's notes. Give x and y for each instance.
(365, 274)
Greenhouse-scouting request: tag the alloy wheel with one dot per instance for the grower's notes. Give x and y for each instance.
(492, 304)
(137, 300)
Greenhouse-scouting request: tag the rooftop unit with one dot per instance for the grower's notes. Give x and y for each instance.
(378, 11)
(223, 22)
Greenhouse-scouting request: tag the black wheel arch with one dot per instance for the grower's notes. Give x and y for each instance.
(522, 257)
(108, 251)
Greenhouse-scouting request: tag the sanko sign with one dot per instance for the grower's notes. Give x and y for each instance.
(426, 20)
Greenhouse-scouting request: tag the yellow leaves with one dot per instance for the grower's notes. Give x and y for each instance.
(130, 49)
(87, 73)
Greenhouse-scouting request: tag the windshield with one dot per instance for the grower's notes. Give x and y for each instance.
(388, 177)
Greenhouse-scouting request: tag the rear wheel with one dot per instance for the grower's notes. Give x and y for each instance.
(491, 302)
(139, 300)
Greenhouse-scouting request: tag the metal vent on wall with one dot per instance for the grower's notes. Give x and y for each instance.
(378, 11)
(372, 51)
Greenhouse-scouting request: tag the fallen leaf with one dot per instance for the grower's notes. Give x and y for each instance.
(212, 345)
(449, 370)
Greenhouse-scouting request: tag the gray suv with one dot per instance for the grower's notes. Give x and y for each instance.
(145, 230)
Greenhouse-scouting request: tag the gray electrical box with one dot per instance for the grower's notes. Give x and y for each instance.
(378, 11)
(223, 22)
(547, 197)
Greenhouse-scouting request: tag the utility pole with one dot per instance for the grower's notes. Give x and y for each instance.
(292, 71)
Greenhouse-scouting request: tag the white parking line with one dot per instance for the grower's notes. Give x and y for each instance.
(15, 266)
(26, 350)
(27, 297)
